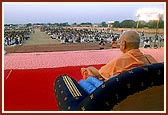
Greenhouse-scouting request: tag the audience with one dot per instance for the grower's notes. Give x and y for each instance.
(15, 36)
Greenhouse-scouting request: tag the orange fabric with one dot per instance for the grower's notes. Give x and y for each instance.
(114, 44)
(128, 60)
(150, 58)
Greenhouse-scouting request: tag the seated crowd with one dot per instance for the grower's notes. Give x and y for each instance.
(155, 41)
(16, 36)
(73, 35)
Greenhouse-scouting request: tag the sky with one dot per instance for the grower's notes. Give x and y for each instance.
(73, 12)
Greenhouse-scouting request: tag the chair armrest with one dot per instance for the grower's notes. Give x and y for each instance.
(68, 93)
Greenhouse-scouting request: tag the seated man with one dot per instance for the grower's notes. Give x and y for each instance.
(131, 57)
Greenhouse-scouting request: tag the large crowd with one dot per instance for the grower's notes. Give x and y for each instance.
(74, 35)
(16, 35)
(155, 41)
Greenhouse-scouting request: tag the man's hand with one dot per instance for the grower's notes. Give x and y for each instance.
(90, 71)
(84, 73)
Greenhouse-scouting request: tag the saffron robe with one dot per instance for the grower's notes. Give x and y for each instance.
(128, 60)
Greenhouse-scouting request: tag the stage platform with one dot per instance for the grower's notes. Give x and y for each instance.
(69, 58)
(29, 77)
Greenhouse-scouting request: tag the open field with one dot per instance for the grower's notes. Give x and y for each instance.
(42, 42)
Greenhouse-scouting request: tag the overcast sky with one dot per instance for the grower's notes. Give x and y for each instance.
(19, 13)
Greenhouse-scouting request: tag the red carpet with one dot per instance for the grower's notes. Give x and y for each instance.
(32, 89)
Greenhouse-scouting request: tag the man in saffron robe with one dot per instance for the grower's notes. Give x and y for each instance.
(131, 57)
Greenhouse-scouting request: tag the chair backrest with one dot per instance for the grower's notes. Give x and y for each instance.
(118, 88)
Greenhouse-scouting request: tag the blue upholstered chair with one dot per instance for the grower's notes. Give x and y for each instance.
(71, 97)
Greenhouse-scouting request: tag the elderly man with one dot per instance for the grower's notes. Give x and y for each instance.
(131, 57)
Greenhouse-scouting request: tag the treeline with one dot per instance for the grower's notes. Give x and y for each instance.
(117, 24)
(139, 24)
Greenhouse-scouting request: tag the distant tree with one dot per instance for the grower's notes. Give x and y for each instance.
(49, 24)
(142, 24)
(161, 23)
(38, 24)
(87, 23)
(116, 24)
(128, 24)
(104, 24)
(64, 24)
(75, 24)
(29, 24)
(61, 24)
(6, 24)
(152, 24)
(56, 24)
